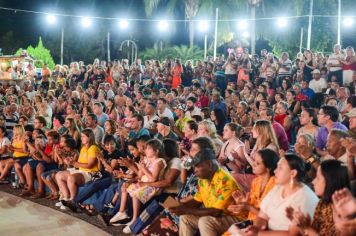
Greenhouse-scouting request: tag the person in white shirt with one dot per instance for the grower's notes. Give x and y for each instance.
(192, 110)
(318, 84)
(289, 193)
(150, 116)
(162, 109)
(334, 65)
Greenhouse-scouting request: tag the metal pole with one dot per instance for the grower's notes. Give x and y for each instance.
(62, 42)
(253, 29)
(339, 23)
(310, 24)
(216, 31)
(108, 46)
(301, 40)
(205, 45)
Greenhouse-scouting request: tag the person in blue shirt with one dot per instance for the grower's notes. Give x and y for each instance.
(218, 103)
(137, 130)
(307, 91)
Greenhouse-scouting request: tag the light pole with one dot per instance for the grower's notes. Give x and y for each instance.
(203, 27)
(62, 45)
(52, 19)
(310, 24)
(216, 31)
(339, 23)
(253, 4)
(162, 26)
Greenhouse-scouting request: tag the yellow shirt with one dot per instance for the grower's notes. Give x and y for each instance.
(86, 154)
(19, 144)
(256, 195)
(218, 193)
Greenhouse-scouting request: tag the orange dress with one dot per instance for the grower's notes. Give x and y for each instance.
(177, 79)
(256, 195)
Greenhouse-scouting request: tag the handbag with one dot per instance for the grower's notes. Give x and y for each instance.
(144, 193)
(146, 217)
(96, 176)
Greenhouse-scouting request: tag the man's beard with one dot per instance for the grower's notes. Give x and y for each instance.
(190, 108)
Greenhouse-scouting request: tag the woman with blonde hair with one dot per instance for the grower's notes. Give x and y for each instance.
(207, 128)
(72, 128)
(20, 155)
(265, 135)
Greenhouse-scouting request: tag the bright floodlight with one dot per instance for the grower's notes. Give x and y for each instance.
(282, 22)
(246, 34)
(242, 24)
(348, 22)
(203, 25)
(86, 22)
(51, 19)
(162, 25)
(123, 24)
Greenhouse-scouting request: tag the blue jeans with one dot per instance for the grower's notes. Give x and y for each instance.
(90, 188)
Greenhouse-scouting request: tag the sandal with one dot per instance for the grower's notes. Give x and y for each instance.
(54, 196)
(38, 195)
(27, 193)
(90, 211)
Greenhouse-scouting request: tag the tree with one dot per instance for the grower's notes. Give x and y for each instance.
(183, 52)
(40, 53)
(193, 7)
(9, 43)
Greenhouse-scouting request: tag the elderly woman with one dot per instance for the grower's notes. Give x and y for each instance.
(304, 147)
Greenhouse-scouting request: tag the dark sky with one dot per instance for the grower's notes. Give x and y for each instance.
(29, 26)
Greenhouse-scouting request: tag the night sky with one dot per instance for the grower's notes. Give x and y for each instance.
(27, 27)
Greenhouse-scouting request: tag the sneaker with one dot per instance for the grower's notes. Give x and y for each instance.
(63, 208)
(127, 229)
(119, 216)
(109, 205)
(58, 204)
(121, 222)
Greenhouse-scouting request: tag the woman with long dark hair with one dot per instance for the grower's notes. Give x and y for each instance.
(218, 117)
(330, 177)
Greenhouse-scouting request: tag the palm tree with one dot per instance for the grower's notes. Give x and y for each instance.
(194, 7)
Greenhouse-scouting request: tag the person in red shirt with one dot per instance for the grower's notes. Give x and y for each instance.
(203, 100)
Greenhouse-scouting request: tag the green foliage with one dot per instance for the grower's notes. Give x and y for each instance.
(41, 54)
(183, 52)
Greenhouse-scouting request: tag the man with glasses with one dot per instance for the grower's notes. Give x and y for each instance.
(328, 119)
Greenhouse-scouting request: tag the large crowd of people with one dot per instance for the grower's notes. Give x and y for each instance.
(247, 145)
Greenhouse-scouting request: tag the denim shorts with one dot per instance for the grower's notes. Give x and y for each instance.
(48, 174)
(22, 161)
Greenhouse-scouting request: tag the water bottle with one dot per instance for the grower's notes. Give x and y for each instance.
(14, 179)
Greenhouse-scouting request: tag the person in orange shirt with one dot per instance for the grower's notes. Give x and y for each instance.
(263, 167)
(176, 72)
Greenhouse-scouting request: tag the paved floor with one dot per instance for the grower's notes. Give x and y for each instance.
(19, 216)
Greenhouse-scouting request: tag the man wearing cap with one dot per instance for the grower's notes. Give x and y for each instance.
(318, 85)
(192, 110)
(207, 211)
(182, 119)
(164, 130)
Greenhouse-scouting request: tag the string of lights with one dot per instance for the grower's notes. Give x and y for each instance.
(15, 10)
